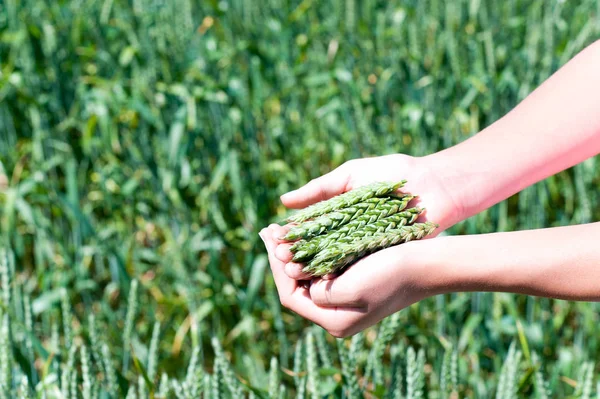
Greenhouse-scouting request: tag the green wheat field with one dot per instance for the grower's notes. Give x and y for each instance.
(144, 143)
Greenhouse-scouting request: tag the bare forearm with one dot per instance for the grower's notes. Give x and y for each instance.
(561, 262)
(554, 128)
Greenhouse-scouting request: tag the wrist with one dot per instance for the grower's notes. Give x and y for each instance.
(453, 185)
(431, 272)
(449, 264)
(473, 177)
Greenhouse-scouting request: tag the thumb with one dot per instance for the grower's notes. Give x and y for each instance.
(319, 189)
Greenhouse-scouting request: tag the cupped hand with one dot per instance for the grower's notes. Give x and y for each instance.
(379, 284)
(365, 293)
(424, 178)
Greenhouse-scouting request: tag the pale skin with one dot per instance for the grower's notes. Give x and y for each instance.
(554, 128)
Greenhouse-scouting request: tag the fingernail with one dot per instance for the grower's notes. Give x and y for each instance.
(287, 195)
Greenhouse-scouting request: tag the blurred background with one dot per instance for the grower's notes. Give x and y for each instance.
(149, 141)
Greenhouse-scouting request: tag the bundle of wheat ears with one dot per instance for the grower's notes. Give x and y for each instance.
(330, 235)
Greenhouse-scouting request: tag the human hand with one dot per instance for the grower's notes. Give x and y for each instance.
(424, 178)
(365, 293)
(378, 285)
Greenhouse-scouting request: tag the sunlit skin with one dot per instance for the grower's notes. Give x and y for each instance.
(554, 128)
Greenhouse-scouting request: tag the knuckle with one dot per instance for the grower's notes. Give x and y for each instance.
(285, 301)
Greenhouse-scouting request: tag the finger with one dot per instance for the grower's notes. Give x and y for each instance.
(327, 293)
(285, 285)
(330, 276)
(319, 189)
(281, 232)
(337, 320)
(294, 270)
(283, 253)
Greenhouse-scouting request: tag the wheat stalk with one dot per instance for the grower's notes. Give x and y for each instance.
(345, 200)
(335, 257)
(309, 249)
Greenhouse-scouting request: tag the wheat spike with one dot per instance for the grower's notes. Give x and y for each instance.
(311, 248)
(352, 226)
(351, 384)
(153, 351)
(341, 217)
(111, 377)
(415, 378)
(311, 366)
(86, 373)
(274, 382)
(347, 199)
(336, 257)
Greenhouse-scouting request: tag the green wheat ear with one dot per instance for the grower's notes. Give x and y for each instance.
(389, 207)
(308, 249)
(334, 219)
(347, 199)
(337, 256)
(368, 211)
